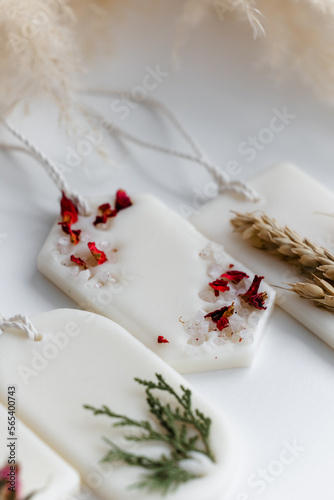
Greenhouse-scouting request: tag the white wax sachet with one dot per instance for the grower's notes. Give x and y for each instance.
(155, 283)
(84, 358)
(41, 470)
(296, 200)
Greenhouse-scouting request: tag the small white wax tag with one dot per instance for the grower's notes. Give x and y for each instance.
(155, 283)
(84, 358)
(29, 464)
(296, 200)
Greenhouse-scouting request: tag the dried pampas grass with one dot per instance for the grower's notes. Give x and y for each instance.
(45, 41)
(45, 44)
(194, 11)
(93, 20)
(299, 34)
(38, 52)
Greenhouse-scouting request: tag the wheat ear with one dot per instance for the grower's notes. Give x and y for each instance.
(320, 292)
(265, 233)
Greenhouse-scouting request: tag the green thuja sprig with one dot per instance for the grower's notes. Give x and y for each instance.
(181, 428)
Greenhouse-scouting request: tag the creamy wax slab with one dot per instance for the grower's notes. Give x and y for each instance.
(296, 200)
(154, 280)
(41, 470)
(84, 358)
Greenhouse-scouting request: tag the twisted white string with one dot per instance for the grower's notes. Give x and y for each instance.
(49, 166)
(13, 147)
(221, 177)
(19, 322)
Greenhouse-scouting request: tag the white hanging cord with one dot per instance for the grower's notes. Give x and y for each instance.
(50, 167)
(221, 177)
(19, 322)
(13, 147)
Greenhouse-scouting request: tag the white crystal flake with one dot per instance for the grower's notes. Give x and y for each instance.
(245, 318)
(215, 270)
(63, 249)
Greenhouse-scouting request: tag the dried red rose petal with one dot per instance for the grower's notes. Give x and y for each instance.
(5, 492)
(100, 219)
(162, 340)
(254, 288)
(99, 256)
(258, 300)
(75, 236)
(252, 297)
(68, 210)
(69, 218)
(105, 208)
(235, 276)
(220, 316)
(219, 286)
(106, 213)
(73, 233)
(79, 261)
(122, 200)
(223, 323)
(69, 213)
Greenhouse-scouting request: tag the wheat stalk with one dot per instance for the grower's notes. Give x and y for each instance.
(265, 233)
(315, 261)
(320, 292)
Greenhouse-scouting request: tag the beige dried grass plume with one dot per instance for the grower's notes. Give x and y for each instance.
(299, 34)
(45, 56)
(94, 20)
(42, 50)
(300, 37)
(194, 11)
(45, 44)
(38, 52)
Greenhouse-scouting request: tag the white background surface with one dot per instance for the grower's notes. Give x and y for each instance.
(223, 97)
